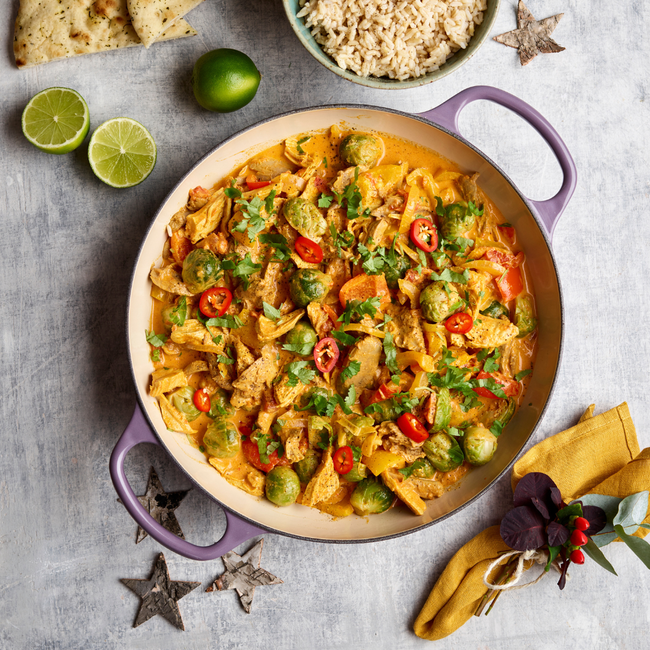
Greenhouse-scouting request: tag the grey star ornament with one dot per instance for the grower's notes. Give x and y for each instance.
(161, 506)
(243, 574)
(160, 594)
(532, 37)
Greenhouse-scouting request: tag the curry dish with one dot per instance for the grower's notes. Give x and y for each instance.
(346, 322)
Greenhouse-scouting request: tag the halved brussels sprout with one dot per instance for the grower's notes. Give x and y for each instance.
(496, 310)
(309, 285)
(361, 149)
(443, 451)
(442, 417)
(436, 303)
(456, 221)
(220, 405)
(479, 444)
(357, 473)
(383, 411)
(371, 497)
(222, 439)
(201, 270)
(175, 314)
(424, 469)
(307, 467)
(282, 486)
(524, 315)
(182, 401)
(306, 218)
(302, 338)
(397, 272)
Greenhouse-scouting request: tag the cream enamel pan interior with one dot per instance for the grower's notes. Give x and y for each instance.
(306, 522)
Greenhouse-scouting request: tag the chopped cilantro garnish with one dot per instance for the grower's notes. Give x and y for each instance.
(232, 322)
(325, 200)
(520, 375)
(391, 354)
(279, 243)
(157, 340)
(409, 469)
(301, 151)
(351, 370)
(325, 162)
(352, 196)
(242, 268)
(155, 355)
(271, 312)
(300, 371)
(356, 308)
(344, 337)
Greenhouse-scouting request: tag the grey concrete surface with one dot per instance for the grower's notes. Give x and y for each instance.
(67, 250)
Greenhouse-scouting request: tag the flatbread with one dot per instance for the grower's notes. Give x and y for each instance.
(47, 30)
(151, 17)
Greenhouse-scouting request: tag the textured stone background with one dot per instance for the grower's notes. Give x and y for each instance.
(67, 251)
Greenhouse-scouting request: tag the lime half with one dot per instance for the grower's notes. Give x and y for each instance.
(122, 152)
(56, 120)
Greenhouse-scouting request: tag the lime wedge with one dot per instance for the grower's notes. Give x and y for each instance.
(56, 120)
(122, 152)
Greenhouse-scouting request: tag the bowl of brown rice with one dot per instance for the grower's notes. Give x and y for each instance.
(392, 44)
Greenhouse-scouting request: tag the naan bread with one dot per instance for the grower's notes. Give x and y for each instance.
(151, 17)
(47, 30)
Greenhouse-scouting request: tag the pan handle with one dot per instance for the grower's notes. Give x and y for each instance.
(446, 115)
(237, 530)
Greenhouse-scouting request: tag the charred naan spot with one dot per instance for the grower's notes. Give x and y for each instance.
(105, 8)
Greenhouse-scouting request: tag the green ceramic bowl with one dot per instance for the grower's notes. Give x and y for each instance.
(292, 7)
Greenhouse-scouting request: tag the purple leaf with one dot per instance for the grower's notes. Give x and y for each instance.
(562, 581)
(531, 485)
(557, 534)
(596, 517)
(523, 528)
(541, 507)
(556, 497)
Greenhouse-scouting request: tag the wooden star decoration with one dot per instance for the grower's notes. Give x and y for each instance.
(160, 505)
(531, 37)
(243, 574)
(160, 594)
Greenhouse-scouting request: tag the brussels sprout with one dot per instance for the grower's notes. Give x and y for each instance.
(175, 314)
(200, 270)
(182, 400)
(308, 285)
(442, 417)
(220, 405)
(496, 310)
(424, 469)
(436, 303)
(480, 445)
(307, 467)
(357, 473)
(524, 315)
(443, 451)
(371, 497)
(508, 412)
(282, 486)
(361, 149)
(306, 218)
(456, 221)
(396, 272)
(302, 338)
(222, 439)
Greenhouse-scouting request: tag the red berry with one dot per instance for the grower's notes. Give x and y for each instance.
(577, 557)
(578, 538)
(581, 523)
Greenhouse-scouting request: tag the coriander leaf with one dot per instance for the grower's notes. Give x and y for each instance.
(232, 192)
(300, 371)
(349, 400)
(325, 201)
(325, 162)
(351, 370)
(391, 354)
(491, 364)
(303, 349)
(353, 198)
(178, 314)
(279, 243)
(271, 312)
(268, 203)
(343, 337)
(244, 268)
(496, 428)
(520, 375)
(232, 322)
(474, 210)
(252, 218)
(155, 355)
(157, 340)
(409, 469)
(451, 276)
(355, 308)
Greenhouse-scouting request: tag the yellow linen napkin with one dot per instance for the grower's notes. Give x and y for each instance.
(599, 455)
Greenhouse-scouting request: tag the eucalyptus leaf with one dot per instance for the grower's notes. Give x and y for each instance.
(638, 546)
(592, 550)
(645, 526)
(632, 510)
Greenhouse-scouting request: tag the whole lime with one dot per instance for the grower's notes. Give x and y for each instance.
(225, 80)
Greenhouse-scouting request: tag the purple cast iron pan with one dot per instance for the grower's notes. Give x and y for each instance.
(436, 129)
